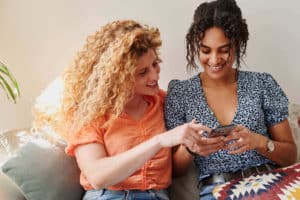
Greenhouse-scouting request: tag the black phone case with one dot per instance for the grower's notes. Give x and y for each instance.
(222, 130)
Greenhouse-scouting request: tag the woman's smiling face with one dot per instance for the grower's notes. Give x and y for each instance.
(216, 53)
(147, 74)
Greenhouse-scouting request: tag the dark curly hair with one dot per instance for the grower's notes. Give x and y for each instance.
(224, 14)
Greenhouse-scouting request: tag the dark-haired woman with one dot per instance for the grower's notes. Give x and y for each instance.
(222, 95)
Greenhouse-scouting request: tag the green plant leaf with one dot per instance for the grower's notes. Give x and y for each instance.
(12, 90)
(8, 89)
(6, 71)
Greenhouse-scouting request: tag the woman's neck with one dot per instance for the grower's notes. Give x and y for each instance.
(230, 79)
(136, 107)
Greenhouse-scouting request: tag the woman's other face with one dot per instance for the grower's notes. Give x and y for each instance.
(147, 74)
(216, 54)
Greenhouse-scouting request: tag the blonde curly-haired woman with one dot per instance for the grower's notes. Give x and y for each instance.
(113, 115)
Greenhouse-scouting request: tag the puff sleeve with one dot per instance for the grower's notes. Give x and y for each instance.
(92, 133)
(174, 107)
(275, 101)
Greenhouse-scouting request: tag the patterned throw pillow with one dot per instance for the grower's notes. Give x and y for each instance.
(281, 183)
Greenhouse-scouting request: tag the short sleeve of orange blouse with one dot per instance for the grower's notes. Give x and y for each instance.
(89, 134)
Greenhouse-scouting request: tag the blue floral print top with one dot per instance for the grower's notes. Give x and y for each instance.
(261, 104)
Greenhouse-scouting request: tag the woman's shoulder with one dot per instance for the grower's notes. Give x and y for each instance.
(255, 77)
(253, 74)
(183, 85)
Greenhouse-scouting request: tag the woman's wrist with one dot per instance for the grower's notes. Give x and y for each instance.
(157, 139)
(262, 145)
(190, 151)
(163, 141)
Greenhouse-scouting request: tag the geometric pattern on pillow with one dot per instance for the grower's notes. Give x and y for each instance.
(283, 183)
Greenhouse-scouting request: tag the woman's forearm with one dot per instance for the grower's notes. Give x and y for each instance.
(285, 149)
(284, 154)
(106, 171)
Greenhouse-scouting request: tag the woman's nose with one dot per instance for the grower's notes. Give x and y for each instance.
(154, 75)
(214, 59)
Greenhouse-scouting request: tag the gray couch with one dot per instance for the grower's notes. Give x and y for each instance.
(35, 167)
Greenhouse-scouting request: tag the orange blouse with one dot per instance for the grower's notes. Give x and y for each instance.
(125, 133)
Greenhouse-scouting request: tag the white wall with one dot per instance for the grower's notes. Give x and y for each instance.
(38, 39)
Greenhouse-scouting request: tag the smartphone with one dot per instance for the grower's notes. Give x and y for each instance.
(222, 130)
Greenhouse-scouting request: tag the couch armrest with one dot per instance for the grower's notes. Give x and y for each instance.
(294, 114)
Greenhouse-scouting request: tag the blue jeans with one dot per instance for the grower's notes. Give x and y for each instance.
(105, 194)
(206, 192)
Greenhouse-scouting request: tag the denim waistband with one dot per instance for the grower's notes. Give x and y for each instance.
(227, 176)
(120, 192)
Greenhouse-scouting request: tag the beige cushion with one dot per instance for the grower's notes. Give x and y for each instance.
(9, 190)
(294, 113)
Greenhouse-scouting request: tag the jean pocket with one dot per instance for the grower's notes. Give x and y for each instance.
(161, 194)
(92, 194)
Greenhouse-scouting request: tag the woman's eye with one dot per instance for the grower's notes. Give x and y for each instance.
(225, 50)
(143, 72)
(205, 51)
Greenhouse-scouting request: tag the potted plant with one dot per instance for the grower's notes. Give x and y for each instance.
(9, 83)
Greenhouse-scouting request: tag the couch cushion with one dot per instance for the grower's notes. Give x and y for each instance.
(185, 187)
(294, 113)
(43, 171)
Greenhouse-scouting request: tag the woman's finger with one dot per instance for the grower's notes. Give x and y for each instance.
(209, 149)
(199, 127)
(238, 150)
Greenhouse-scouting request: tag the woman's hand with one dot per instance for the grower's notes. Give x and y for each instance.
(190, 136)
(243, 139)
(187, 134)
(207, 146)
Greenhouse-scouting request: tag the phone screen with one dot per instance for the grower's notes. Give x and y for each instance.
(222, 130)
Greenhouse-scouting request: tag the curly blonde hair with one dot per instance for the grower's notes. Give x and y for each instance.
(101, 79)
